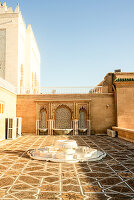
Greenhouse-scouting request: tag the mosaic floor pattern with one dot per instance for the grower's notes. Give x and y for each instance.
(24, 178)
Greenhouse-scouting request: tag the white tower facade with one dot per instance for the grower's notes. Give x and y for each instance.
(19, 53)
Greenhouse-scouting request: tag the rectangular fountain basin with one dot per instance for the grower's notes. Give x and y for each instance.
(62, 131)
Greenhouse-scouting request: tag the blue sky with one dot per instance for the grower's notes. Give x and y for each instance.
(80, 40)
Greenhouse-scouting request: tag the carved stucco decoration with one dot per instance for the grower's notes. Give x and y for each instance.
(68, 105)
(81, 106)
(63, 118)
(39, 107)
(44, 106)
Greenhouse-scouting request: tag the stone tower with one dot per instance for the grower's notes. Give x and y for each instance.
(19, 53)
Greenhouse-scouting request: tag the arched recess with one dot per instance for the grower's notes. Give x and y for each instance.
(82, 118)
(43, 118)
(63, 117)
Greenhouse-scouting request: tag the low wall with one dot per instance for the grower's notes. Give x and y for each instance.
(127, 134)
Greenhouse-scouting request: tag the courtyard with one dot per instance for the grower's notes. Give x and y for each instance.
(24, 178)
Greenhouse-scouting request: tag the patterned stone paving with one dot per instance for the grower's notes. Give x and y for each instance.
(24, 178)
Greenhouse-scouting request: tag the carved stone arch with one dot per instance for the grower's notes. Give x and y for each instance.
(63, 117)
(57, 105)
(64, 106)
(43, 108)
(82, 108)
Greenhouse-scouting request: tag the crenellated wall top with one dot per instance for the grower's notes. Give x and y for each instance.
(4, 9)
(124, 82)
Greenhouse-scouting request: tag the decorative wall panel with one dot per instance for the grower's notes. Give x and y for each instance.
(56, 105)
(62, 118)
(43, 119)
(82, 119)
(2, 52)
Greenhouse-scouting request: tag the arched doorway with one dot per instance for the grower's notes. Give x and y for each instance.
(63, 118)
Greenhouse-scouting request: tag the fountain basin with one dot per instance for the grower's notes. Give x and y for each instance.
(62, 131)
(43, 130)
(66, 151)
(66, 144)
(82, 130)
(64, 156)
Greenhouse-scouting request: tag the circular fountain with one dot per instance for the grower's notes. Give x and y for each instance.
(66, 151)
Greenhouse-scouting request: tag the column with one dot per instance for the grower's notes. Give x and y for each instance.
(37, 127)
(50, 126)
(14, 128)
(75, 126)
(88, 127)
(18, 126)
(89, 119)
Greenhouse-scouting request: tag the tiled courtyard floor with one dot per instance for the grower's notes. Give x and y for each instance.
(24, 178)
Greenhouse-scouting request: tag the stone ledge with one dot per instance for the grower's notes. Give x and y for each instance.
(122, 129)
(124, 133)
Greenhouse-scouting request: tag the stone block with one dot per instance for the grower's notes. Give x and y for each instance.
(111, 133)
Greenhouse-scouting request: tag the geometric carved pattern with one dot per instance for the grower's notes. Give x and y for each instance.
(63, 118)
(2, 52)
(56, 105)
(82, 118)
(43, 119)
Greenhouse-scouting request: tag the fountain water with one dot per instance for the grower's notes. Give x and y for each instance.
(66, 151)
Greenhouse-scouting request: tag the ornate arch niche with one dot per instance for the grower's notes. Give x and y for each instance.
(63, 117)
(82, 118)
(55, 106)
(43, 118)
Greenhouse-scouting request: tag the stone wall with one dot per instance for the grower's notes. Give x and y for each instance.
(99, 108)
(2, 52)
(102, 112)
(125, 104)
(9, 23)
(26, 108)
